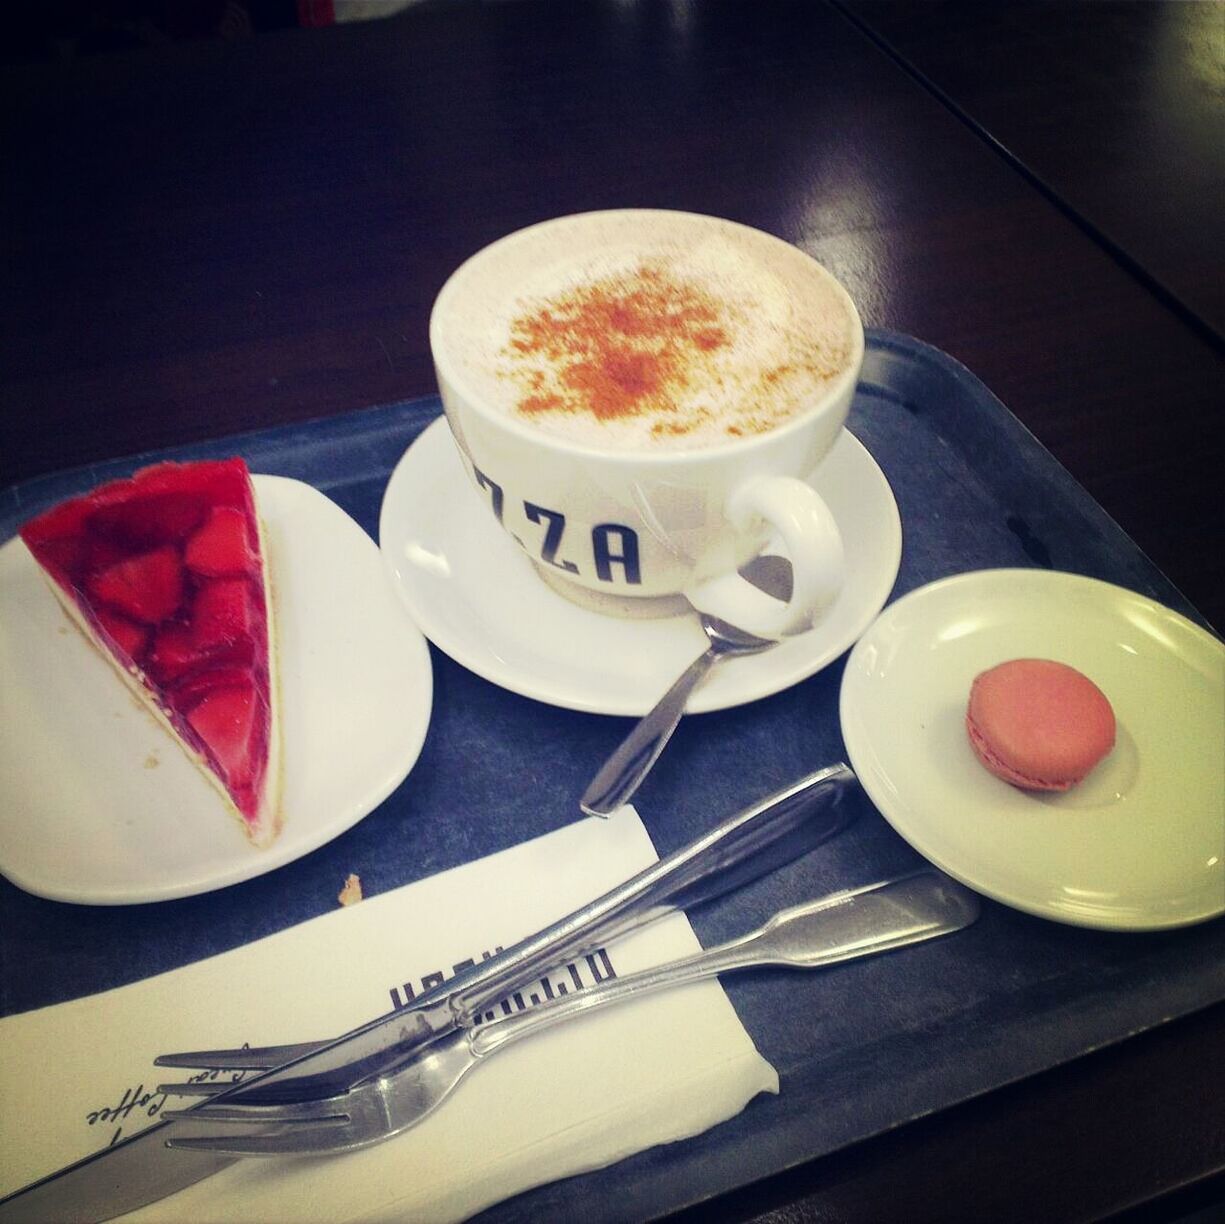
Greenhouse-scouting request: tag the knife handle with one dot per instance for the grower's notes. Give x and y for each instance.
(748, 845)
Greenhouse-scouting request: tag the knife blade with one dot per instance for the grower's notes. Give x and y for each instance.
(142, 1169)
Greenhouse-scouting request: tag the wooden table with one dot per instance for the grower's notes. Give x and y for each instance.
(203, 238)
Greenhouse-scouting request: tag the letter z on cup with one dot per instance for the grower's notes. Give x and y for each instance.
(638, 395)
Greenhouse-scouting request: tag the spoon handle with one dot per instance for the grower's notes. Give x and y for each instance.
(846, 926)
(623, 772)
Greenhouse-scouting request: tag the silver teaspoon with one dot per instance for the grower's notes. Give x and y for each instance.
(624, 772)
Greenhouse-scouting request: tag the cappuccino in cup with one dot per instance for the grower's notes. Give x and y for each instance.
(638, 395)
(644, 335)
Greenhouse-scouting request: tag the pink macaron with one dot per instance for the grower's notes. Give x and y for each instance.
(1038, 724)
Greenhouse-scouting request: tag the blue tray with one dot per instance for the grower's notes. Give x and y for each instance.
(858, 1049)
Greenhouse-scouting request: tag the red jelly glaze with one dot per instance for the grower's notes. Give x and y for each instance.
(165, 568)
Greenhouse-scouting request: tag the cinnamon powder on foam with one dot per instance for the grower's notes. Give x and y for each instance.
(648, 342)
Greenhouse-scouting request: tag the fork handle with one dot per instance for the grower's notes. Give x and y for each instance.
(621, 775)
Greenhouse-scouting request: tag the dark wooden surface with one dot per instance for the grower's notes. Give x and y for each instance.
(206, 237)
(1116, 108)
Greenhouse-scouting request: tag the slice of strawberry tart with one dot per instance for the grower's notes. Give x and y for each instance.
(166, 574)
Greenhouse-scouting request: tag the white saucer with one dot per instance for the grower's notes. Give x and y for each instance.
(1140, 844)
(479, 599)
(102, 807)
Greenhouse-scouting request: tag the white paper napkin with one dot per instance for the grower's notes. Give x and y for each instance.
(75, 1076)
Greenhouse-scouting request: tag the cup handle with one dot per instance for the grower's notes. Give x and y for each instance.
(813, 543)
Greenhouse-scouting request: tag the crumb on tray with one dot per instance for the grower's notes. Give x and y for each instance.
(351, 894)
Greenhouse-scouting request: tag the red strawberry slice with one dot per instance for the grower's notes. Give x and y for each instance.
(226, 721)
(129, 637)
(148, 588)
(176, 654)
(224, 614)
(173, 653)
(221, 549)
(189, 691)
(101, 552)
(146, 522)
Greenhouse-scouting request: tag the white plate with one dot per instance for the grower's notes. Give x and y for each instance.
(1140, 844)
(478, 598)
(102, 807)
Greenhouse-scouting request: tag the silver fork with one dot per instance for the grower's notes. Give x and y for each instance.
(845, 926)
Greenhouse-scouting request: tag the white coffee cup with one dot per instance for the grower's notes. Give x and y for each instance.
(638, 396)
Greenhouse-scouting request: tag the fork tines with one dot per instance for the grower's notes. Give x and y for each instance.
(244, 1058)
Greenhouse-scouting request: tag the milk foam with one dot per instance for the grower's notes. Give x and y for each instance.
(669, 335)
